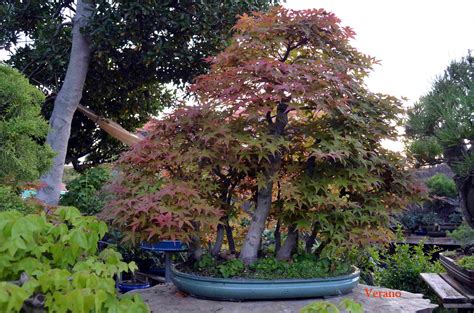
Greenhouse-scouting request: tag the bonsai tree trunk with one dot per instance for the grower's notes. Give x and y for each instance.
(230, 237)
(249, 251)
(464, 184)
(277, 237)
(216, 248)
(289, 245)
(66, 103)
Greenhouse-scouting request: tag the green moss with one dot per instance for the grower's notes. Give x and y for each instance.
(301, 266)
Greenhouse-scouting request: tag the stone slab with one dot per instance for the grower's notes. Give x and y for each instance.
(166, 298)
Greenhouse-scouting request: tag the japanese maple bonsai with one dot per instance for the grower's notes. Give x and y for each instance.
(285, 132)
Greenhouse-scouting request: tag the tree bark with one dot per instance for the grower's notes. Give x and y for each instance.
(216, 248)
(464, 184)
(249, 251)
(230, 237)
(277, 237)
(66, 103)
(289, 245)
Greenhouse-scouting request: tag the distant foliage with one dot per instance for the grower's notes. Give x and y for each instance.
(464, 234)
(84, 191)
(402, 268)
(22, 129)
(442, 185)
(425, 151)
(58, 254)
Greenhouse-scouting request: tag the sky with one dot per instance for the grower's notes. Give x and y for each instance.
(415, 40)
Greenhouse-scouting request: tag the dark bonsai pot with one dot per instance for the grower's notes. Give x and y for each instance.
(457, 272)
(256, 289)
(164, 245)
(420, 232)
(128, 285)
(436, 233)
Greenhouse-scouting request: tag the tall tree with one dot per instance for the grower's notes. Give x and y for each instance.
(136, 47)
(66, 103)
(441, 128)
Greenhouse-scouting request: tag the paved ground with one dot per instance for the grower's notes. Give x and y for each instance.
(166, 298)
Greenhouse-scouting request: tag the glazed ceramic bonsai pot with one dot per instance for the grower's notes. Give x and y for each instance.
(238, 289)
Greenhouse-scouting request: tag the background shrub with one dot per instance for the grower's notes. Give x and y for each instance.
(23, 157)
(402, 268)
(442, 185)
(84, 191)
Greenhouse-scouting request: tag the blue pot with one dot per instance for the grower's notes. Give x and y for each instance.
(259, 289)
(164, 245)
(126, 286)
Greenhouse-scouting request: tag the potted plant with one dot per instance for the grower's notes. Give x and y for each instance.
(284, 137)
(126, 285)
(459, 264)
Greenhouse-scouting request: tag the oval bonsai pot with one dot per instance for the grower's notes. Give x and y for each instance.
(128, 285)
(457, 272)
(258, 289)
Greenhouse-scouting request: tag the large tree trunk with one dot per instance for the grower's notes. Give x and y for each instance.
(249, 251)
(66, 103)
(289, 245)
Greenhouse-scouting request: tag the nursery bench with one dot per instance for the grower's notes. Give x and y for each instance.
(431, 241)
(451, 293)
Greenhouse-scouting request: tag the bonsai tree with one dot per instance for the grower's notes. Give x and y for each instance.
(441, 129)
(284, 129)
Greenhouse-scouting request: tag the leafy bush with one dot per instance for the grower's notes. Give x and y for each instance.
(22, 129)
(348, 305)
(403, 267)
(466, 262)
(464, 234)
(84, 191)
(422, 151)
(58, 253)
(442, 185)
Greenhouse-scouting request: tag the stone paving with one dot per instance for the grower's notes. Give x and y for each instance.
(167, 299)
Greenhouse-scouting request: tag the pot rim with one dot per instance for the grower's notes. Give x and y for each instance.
(354, 274)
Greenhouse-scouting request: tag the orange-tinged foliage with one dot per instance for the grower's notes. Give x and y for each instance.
(201, 163)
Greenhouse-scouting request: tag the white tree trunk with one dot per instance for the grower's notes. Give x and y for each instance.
(66, 103)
